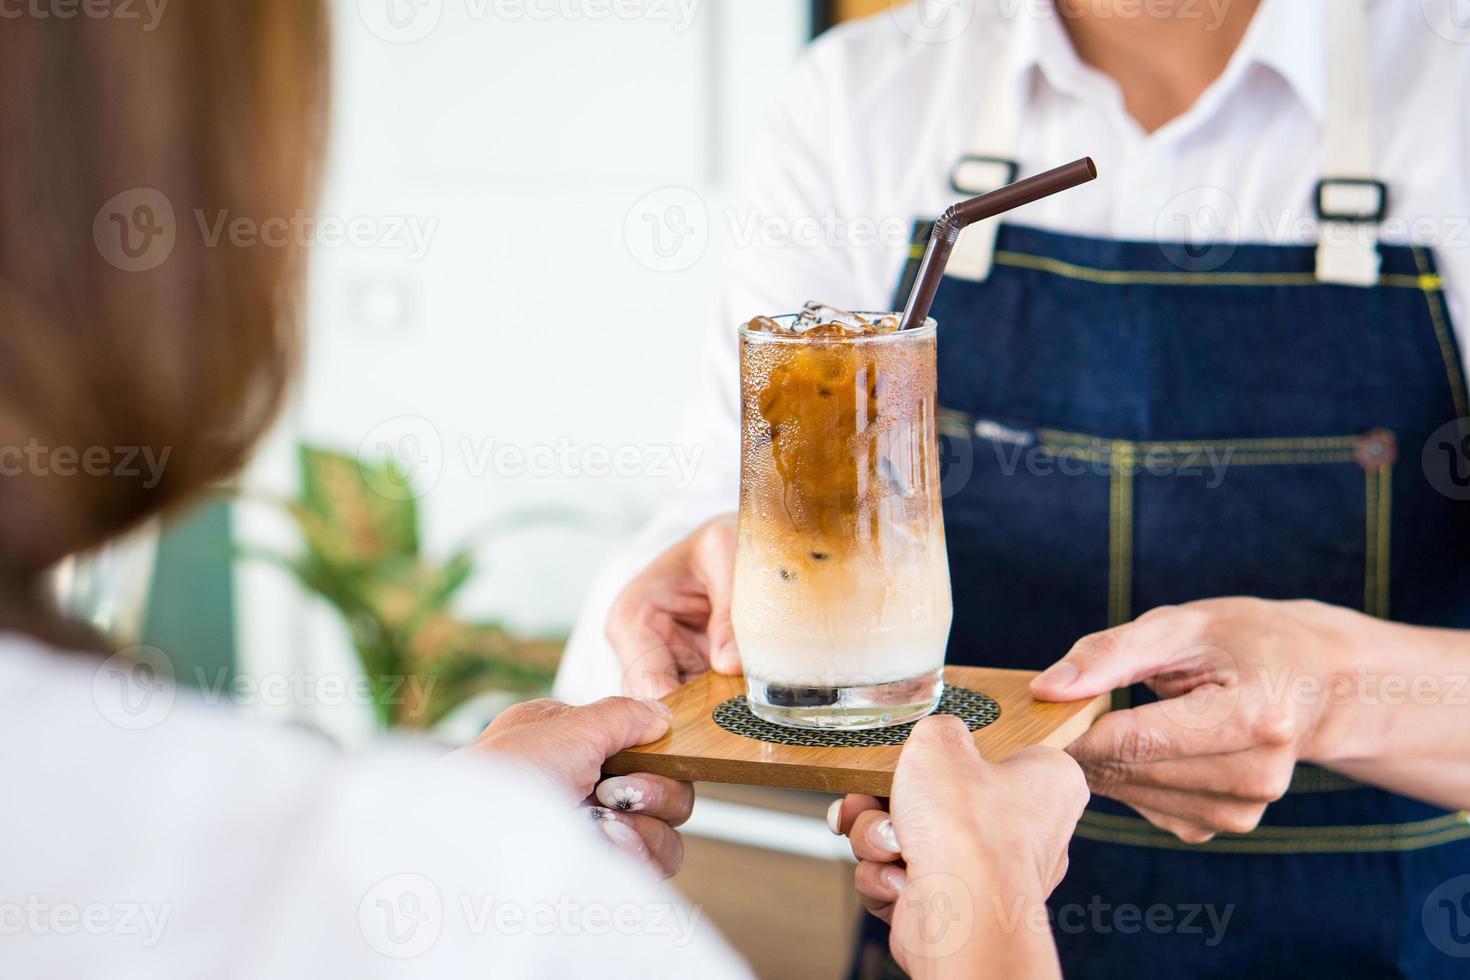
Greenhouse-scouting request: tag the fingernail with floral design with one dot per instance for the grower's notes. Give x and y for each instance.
(625, 837)
(626, 794)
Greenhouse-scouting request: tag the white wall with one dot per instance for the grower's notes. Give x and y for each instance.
(522, 140)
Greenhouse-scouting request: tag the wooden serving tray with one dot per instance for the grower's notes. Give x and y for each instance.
(696, 748)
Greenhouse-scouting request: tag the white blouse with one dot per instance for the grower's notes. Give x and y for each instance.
(145, 836)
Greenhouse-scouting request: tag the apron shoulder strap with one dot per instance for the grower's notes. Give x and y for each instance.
(1351, 203)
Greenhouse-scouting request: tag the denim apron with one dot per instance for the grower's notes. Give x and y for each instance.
(1127, 425)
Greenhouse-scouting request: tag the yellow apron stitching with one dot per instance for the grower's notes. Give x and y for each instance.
(1405, 829)
(1133, 831)
(1120, 585)
(1236, 459)
(1278, 459)
(1125, 598)
(1248, 846)
(1432, 288)
(1116, 277)
(1323, 443)
(1370, 556)
(1385, 529)
(1113, 531)
(1308, 779)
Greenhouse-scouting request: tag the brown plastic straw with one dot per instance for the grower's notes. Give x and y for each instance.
(947, 229)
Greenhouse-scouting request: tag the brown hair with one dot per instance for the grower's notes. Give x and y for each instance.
(126, 329)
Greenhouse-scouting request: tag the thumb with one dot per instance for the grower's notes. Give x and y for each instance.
(714, 566)
(1109, 660)
(616, 724)
(938, 757)
(937, 743)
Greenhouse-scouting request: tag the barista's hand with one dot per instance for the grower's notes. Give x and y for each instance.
(982, 846)
(1246, 686)
(570, 745)
(673, 621)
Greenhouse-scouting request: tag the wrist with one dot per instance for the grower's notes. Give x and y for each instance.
(990, 922)
(1356, 672)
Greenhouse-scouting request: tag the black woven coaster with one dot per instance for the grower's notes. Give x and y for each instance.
(973, 708)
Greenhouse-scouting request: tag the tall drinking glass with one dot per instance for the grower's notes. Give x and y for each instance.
(842, 601)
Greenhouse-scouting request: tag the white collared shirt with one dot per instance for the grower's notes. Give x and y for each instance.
(880, 110)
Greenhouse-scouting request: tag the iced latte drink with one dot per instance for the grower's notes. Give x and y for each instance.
(842, 603)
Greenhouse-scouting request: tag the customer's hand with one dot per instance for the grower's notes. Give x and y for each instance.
(965, 860)
(570, 744)
(672, 622)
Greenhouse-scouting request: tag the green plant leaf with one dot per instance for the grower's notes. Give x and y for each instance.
(348, 508)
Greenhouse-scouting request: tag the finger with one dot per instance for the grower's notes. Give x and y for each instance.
(1248, 775)
(647, 628)
(665, 799)
(642, 838)
(664, 844)
(624, 837)
(653, 672)
(1187, 832)
(1191, 810)
(1207, 721)
(657, 653)
(714, 567)
(874, 838)
(615, 724)
(879, 886)
(1124, 655)
(845, 810)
